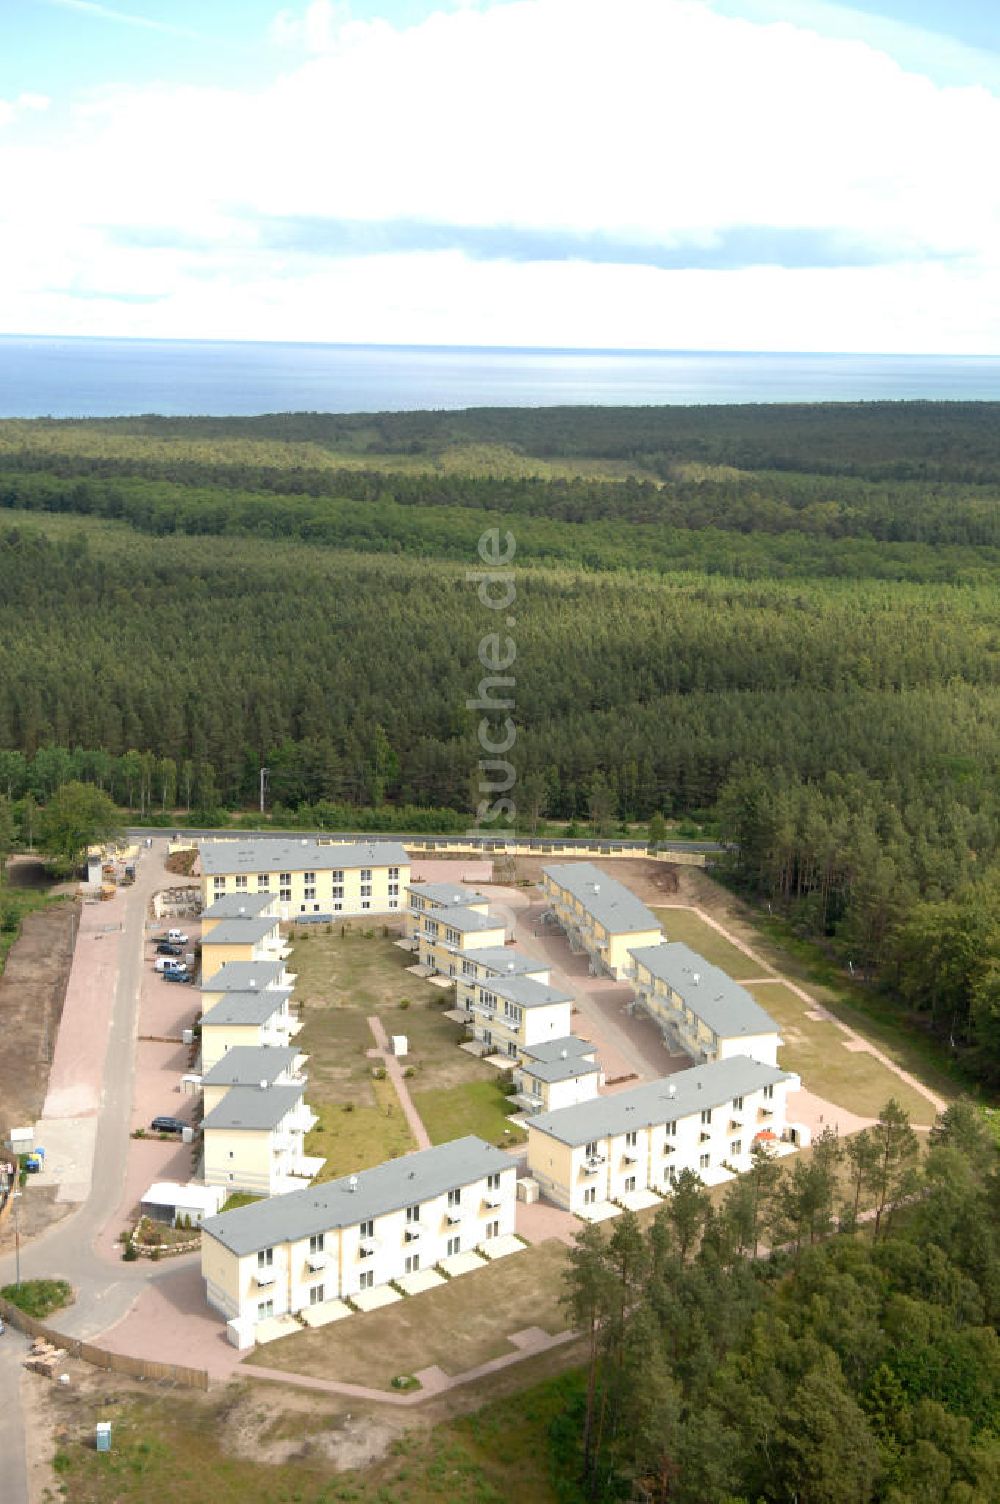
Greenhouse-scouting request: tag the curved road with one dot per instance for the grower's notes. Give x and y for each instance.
(105, 1290)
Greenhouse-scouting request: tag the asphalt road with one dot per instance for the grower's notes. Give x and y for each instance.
(13, 1466)
(104, 1290)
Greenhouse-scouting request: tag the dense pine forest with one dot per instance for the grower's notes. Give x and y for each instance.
(842, 1370)
(783, 622)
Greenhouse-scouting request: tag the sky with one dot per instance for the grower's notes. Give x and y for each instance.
(630, 174)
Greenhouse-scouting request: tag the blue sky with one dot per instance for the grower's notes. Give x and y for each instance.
(756, 174)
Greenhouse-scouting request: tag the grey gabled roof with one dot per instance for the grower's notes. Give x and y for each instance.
(387, 1188)
(275, 855)
(246, 1007)
(253, 1108)
(446, 895)
(239, 931)
(554, 1049)
(525, 991)
(250, 1064)
(604, 897)
(726, 1007)
(239, 906)
(506, 960)
(465, 920)
(642, 1106)
(243, 976)
(559, 1070)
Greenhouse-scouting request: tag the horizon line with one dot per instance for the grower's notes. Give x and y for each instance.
(631, 350)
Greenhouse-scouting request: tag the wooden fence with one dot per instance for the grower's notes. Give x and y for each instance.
(99, 1357)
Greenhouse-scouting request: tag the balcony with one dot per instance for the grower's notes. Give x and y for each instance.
(412, 1232)
(316, 1261)
(493, 1198)
(266, 1277)
(366, 1248)
(630, 1157)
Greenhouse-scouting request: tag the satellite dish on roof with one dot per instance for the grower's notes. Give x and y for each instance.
(696, 977)
(671, 1090)
(564, 1055)
(263, 1086)
(352, 1184)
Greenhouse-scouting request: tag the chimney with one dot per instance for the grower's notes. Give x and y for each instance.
(696, 977)
(263, 1086)
(671, 1090)
(352, 1184)
(253, 981)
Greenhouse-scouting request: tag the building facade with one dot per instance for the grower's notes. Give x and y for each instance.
(500, 962)
(357, 1233)
(509, 1014)
(705, 1119)
(561, 1073)
(700, 1009)
(312, 880)
(449, 934)
(599, 915)
(254, 1140)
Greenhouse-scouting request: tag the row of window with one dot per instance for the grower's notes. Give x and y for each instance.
(366, 1229)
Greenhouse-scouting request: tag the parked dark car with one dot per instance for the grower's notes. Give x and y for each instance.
(165, 949)
(177, 976)
(168, 1125)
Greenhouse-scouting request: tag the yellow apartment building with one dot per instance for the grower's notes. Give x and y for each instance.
(705, 1119)
(509, 1014)
(699, 1008)
(255, 1019)
(313, 880)
(254, 1140)
(557, 1073)
(252, 1065)
(354, 1234)
(497, 961)
(446, 935)
(425, 898)
(599, 915)
(241, 940)
(239, 906)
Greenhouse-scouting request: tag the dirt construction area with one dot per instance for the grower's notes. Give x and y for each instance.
(32, 989)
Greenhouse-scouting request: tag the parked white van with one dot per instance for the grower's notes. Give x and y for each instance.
(177, 937)
(168, 963)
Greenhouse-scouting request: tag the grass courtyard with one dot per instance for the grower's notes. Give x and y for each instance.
(686, 926)
(457, 1326)
(346, 975)
(817, 1050)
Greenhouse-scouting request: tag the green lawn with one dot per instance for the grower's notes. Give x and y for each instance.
(685, 925)
(815, 1048)
(457, 1326)
(474, 1107)
(344, 977)
(362, 1137)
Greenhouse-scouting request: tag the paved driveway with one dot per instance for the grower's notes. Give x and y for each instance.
(626, 1043)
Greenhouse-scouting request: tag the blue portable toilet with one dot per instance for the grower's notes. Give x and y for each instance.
(104, 1436)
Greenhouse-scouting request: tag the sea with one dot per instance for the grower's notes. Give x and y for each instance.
(99, 378)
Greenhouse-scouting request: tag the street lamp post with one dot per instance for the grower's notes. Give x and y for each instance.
(263, 781)
(17, 1239)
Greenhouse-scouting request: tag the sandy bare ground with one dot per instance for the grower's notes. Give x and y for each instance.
(32, 989)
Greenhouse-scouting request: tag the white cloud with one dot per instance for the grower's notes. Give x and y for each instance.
(25, 103)
(656, 121)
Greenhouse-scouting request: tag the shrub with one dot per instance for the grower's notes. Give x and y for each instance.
(411, 1070)
(404, 1002)
(131, 1253)
(347, 1106)
(39, 1297)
